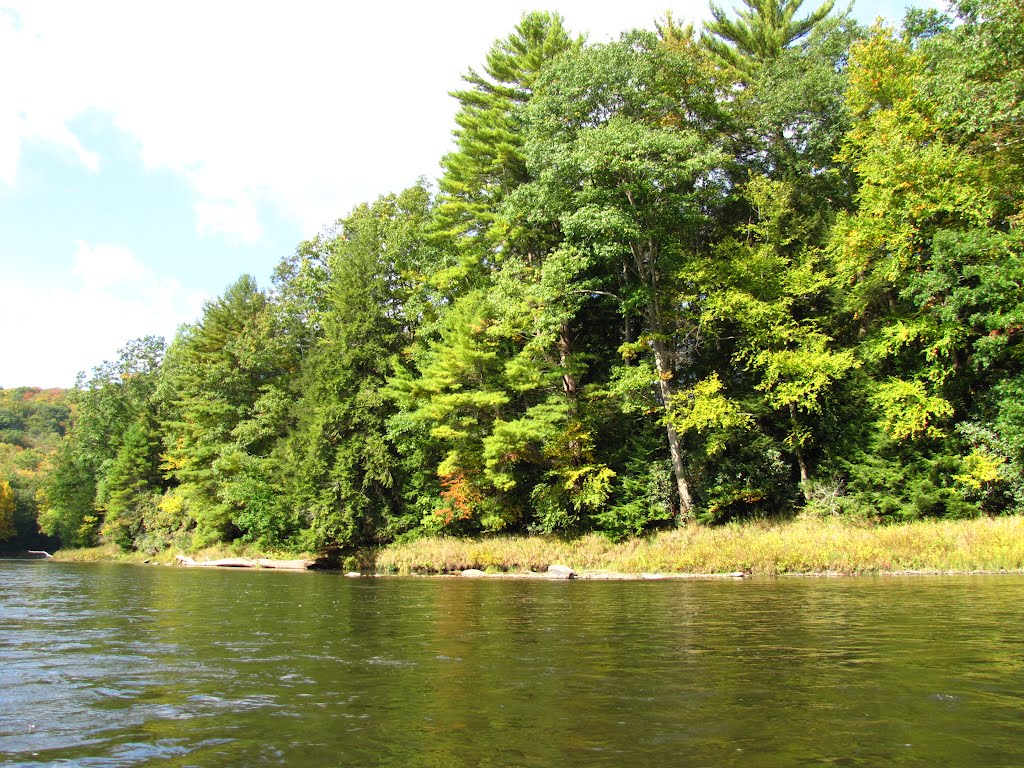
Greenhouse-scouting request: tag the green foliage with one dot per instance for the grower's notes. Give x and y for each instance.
(489, 162)
(705, 409)
(908, 411)
(790, 119)
(760, 33)
(621, 140)
(67, 502)
(222, 397)
(896, 484)
(341, 463)
(663, 280)
(33, 423)
(74, 496)
(751, 480)
(33, 418)
(931, 254)
(129, 484)
(7, 507)
(642, 500)
(455, 397)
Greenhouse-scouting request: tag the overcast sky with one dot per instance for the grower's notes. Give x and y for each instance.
(152, 152)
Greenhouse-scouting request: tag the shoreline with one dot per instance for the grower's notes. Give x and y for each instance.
(802, 547)
(577, 575)
(830, 546)
(617, 576)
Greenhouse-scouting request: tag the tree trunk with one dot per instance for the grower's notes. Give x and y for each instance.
(805, 474)
(564, 345)
(675, 450)
(644, 258)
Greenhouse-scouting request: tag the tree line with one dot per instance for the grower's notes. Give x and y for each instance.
(767, 267)
(33, 422)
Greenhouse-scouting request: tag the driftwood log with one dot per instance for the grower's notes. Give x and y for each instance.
(241, 562)
(40, 552)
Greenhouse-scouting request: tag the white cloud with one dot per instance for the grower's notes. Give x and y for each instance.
(303, 109)
(27, 110)
(102, 266)
(308, 107)
(107, 298)
(232, 216)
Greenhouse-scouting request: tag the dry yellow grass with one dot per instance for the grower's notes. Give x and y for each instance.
(88, 554)
(801, 546)
(109, 552)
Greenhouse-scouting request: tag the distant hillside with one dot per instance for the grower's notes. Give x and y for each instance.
(32, 424)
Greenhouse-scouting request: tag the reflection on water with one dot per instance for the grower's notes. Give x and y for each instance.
(114, 665)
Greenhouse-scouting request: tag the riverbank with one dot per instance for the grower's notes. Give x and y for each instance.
(810, 546)
(758, 549)
(111, 553)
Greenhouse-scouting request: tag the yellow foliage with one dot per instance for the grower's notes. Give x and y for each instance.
(981, 468)
(704, 408)
(7, 505)
(908, 411)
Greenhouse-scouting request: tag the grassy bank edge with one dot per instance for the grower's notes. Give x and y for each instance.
(803, 546)
(807, 546)
(110, 553)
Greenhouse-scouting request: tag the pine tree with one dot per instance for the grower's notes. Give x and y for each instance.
(343, 467)
(449, 401)
(758, 34)
(489, 162)
(131, 481)
(224, 395)
(104, 407)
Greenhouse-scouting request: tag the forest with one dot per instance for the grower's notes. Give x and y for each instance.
(33, 423)
(769, 267)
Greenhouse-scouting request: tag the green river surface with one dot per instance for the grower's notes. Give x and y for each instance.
(118, 665)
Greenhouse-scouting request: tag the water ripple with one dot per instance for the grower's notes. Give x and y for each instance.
(121, 666)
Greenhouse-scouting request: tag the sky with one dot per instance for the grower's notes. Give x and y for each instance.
(152, 152)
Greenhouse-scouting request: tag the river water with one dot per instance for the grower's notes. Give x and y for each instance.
(118, 665)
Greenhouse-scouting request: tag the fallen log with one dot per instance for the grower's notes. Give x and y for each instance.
(40, 552)
(241, 562)
(284, 565)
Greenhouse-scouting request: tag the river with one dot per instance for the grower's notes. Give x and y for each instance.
(120, 665)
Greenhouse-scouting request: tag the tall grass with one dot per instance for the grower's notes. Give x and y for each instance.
(109, 552)
(757, 548)
(801, 546)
